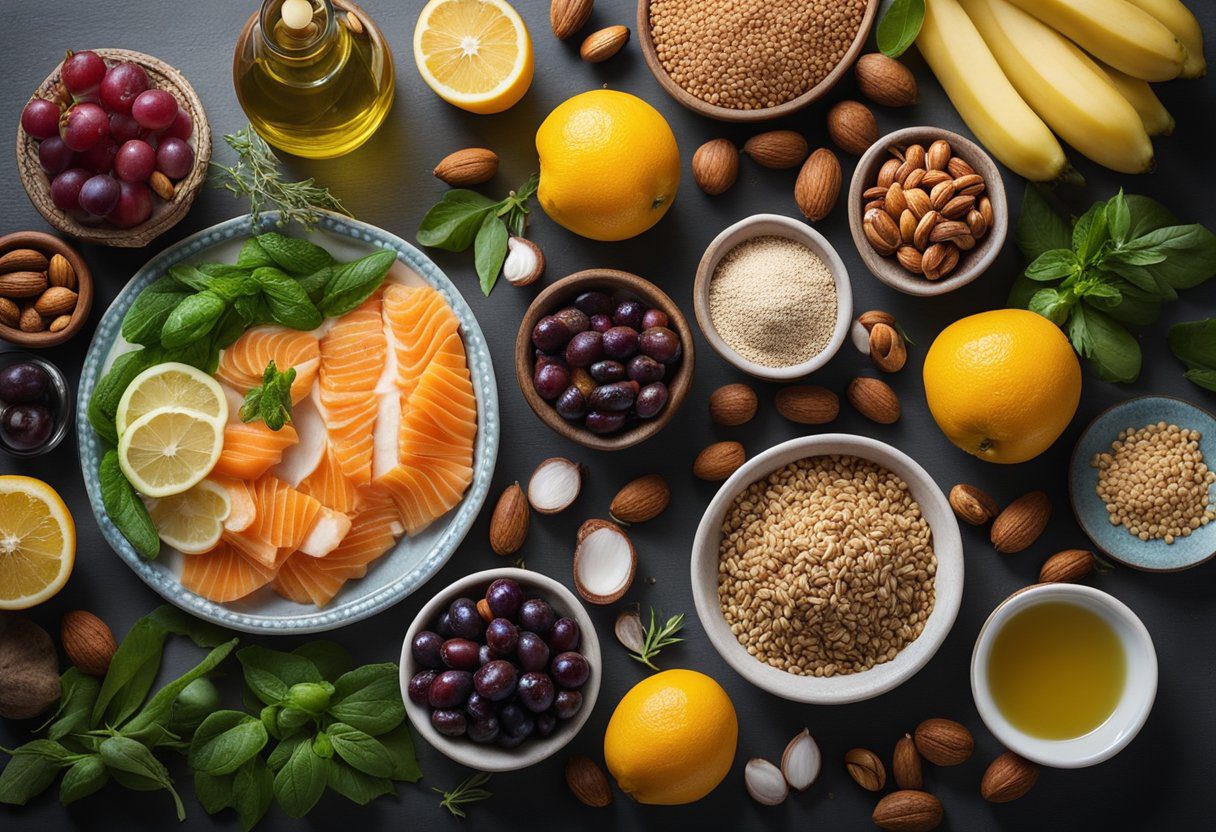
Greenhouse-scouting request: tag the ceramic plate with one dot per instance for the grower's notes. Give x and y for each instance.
(1115, 541)
(414, 559)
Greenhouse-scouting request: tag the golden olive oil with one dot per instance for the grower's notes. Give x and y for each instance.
(1057, 670)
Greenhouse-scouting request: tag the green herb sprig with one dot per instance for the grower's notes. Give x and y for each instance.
(899, 27)
(271, 400)
(469, 791)
(1194, 344)
(657, 637)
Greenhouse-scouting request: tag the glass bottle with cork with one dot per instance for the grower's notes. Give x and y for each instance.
(315, 77)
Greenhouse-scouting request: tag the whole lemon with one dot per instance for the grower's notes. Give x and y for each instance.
(672, 738)
(1002, 385)
(609, 165)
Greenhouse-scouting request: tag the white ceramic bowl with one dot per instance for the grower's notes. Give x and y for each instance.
(1129, 715)
(532, 751)
(833, 690)
(773, 225)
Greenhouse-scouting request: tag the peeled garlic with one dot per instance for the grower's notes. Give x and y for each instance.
(604, 562)
(555, 484)
(525, 262)
(629, 631)
(800, 762)
(765, 782)
(860, 336)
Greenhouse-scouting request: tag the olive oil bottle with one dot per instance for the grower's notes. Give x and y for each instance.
(315, 77)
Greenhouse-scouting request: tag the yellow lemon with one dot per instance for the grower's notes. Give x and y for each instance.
(672, 738)
(609, 165)
(475, 54)
(1002, 385)
(37, 542)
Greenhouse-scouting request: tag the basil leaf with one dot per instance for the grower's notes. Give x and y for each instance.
(225, 741)
(1147, 215)
(1187, 252)
(193, 319)
(359, 749)
(489, 251)
(270, 673)
(1052, 304)
(83, 778)
(132, 671)
(197, 700)
(146, 318)
(1134, 306)
(1090, 233)
(1118, 218)
(283, 751)
(158, 707)
(103, 404)
(329, 657)
(1142, 278)
(294, 255)
(352, 283)
(899, 26)
(354, 785)
(122, 754)
(452, 223)
(1204, 378)
(253, 256)
(1112, 350)
(288, 302)
(79, 692)
(400, 746)
(215, 793)
(369, 698)
(125, 509)
(1040, 228)
(1104, 291)
(32, 769)
(202, 633)
(252, 792)
(300, 782)
(1053, 265)
(1194, 344)
(290, 719)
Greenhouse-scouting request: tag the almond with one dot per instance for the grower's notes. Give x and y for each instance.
(914, 180)
(887, 349)
(470, 166)
(972, 505)
(958, 208)
(866, 769)
(602, 45)
(919, 202)
(161, 185)
(908, 811)
(87, 641)
(852, 127)
(874, 399)
(1021, 523)
(886, 174)
(818, 184)
(1008, 777)
(939, 260)
(22, 284)
(905, 764)
(60, 323)
(910, 259)
(971, 184)
(943, 742)
(1066, 566)
(924, 228)
(778, 149)
(907, 229)
(59, 272)
(23, 260)
(509, 522)
(958, 168)
(808, 404)
(588, 782)
(885, 80)
(568, 16)
(732, 405)
(10, 312)
(881, 231)
(55, 301)
(938, 155)
(874, 317)
(718, 461)
(715, 166)
(640, 500)
(895, 202)
(30, 320)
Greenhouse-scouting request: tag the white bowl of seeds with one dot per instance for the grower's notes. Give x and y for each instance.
(828, 569)
(773, 298)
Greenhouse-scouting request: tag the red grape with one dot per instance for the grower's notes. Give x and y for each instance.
(182, 126)
(26, 426)
(122, 85)
(124, 128)
(23, 382)
(174, 158)
(65, 188)
(40, 118)
(82, 72)
(154, 109)
(99, 195)
(135, 161)
(54, 155)
(84, 126)
(100, 158)
(134, 205)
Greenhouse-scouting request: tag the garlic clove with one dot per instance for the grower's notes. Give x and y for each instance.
(801, 761)
(860, 336)
(604, 562)
(555, 485)
(629, 631)
(525, 262)
(765, 782)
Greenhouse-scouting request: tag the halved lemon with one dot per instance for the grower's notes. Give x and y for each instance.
(37, 542)
(169, 450)
(192, 522)
(475, 54)
(171, 384)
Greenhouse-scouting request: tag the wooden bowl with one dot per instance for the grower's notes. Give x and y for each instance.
(646, 38)
(562, 293)
(164, 214)
(972, 263)
(50, 245)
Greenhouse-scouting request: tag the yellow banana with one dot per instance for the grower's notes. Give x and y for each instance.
(983, 96)
(1179, 20)
(1063, 86)
(1156, 119)
(1124, 36)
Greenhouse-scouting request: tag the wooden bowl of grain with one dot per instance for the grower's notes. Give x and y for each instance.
(718, 47)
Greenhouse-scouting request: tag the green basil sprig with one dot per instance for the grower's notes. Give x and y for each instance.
(1194, 344)
(899, 27)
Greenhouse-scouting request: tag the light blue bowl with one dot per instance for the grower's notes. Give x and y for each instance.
(414, 559)
(1115, 541)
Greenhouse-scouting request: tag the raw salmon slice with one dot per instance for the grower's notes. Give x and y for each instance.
(350, 423)
(353, 357)
(326, 533)
(285, 515)
(223, 574)
(422, 325)
(243, 511)
(330, 487)
(250, 450)
(242, 364)
(373, 532)
(301, 579)
(265, 554)
(424, 488)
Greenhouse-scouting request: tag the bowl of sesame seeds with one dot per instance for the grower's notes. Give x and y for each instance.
(751, 60)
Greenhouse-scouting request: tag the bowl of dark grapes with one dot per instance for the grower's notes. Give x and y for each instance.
(35, 406)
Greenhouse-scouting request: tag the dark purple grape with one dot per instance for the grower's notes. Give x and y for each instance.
(571, 404)
(84, 125)
(99, 195)
(450, 689)
(551, 334)
(507, 741)
(564, 635)
(594, 303)
(82, 72)
(535, 615)
(546, 723)
(154, 109)
(567, 703)
(651, 400)
(585, 349)
(599, 421)
(576, 321)
(661, 344)
(570, 669)
(550, 380)
(135, 162)
(536, 691)
(645, 370)
(450, 723)
(466, 620)
(134, 205)
(515, 720)
(182, 126)
(40, 118)
(629, 313)
(23, 382)
(443, 626)
(65, 189)
(505, 598)
(55, 156)
(532, 652)
(484, 655)
(426, 649)
(26, 426)
(420, 685)
(618, 396)
(621, 342)
(484, 730)
(501, 637)
(100, 158)
(479, 707)
(653, 318)
(605, 372)
(174, 158)
(459, 654)
(601, 323)
(496, 680)
(121, 86)
(123, 128)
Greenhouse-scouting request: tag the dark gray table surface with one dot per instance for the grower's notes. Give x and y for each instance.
(1160, 782)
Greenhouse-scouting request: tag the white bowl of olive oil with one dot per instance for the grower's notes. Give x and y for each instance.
(1064, 675)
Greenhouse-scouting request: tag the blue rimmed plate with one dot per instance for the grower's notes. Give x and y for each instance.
(414, 559)
(1116, 541)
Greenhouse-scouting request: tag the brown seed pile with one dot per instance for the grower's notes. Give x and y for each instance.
(752, 54)
(827, 567)
(1155, 483)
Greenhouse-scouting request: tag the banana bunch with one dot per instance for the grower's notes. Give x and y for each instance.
(1022, 72)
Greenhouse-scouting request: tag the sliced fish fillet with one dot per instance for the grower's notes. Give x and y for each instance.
(301, 579)
(251, 449)
(422, 324)
(373, 532)
(240, 495)
(285, 515)
(353, 356)
(223, 574)
(242, 364)
(330, 487)
(264, 554)
(326, 533)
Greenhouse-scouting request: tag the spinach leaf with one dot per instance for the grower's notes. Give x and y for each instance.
(352, 283)
(83, 778)
(369, 698)
(286, 299)
(103, 405)
(125, 509)
(300, 782)
(1194, 344)
(190, 276)
(79, 692)
(32, 769)
(453, 222)
(146, 318)
(157, 710)
(1040, 228)
(329, 657)
(899, 26)
(252, 792)
(253, 256)
(314, 284)
(293, 255)
(270, 673)
(225, 741)
(355, 785)
(122, 754)
(1112, 350)
(489, 251)
(193, 319)
(400, 746)
(360, 750)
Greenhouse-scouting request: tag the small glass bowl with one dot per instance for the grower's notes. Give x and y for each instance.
(58, 400)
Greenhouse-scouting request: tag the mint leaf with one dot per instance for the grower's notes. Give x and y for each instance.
(271, 400)
(192, 319)
(1118, 218)
(293, 255)
(288, 303)
(352, 283)
(899, 26)
(151, 309)
(1090, 233)
(1187, 254)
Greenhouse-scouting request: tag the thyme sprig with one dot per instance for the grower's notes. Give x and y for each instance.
(657, 637)
(469, 791)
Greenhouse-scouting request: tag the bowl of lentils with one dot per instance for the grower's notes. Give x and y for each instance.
(604, 358)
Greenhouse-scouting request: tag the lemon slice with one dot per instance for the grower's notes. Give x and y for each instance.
(37, 542)
(169, 450)
(192, 522)
(171, 385)
(475, 54)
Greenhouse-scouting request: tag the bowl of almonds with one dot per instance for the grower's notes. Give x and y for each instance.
(46, 290)
(927, 210)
